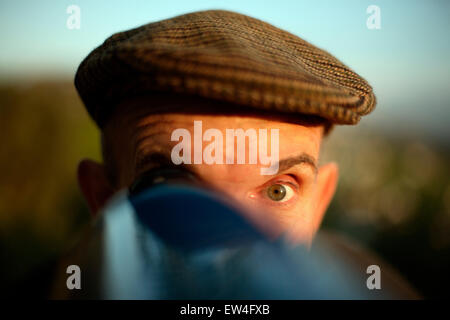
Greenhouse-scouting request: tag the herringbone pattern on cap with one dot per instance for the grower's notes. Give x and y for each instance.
(227, 56)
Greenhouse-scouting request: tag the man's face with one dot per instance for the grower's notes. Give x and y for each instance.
(295, 197)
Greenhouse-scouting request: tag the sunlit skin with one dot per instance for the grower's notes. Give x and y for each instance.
(133, 133)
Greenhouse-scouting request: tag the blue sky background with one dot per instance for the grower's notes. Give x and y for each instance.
(407, 61)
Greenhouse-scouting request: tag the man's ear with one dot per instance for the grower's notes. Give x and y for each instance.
(327, 178)
(94, 184)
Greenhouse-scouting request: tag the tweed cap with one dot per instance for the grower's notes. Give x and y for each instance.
(226, 56)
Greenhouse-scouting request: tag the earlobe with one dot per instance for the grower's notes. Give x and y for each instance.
(94, 184)
(327, 179)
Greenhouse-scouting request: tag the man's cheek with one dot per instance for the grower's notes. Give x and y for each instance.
(299, 224)
(288, 219)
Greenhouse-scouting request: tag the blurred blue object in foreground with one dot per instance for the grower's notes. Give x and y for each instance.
(181, 242)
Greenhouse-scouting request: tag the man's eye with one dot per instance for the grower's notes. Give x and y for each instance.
(280, 192)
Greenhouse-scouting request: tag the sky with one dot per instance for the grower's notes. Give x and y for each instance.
(406, 60)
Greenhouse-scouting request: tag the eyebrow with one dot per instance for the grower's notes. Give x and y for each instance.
(157, 160)
(302, 158)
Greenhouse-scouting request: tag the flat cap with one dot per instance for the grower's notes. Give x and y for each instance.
(226, 56)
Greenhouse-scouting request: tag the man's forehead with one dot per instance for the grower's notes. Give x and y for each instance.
(154, 137)
(139, 129)
(160, 105)
(159, 127)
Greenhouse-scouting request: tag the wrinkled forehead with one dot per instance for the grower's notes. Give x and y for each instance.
(162, 109)
(142, 126)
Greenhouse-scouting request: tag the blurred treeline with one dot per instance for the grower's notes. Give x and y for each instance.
(44, 133)
(393, 195)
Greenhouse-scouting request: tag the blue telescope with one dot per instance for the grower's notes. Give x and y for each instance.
(178, 241)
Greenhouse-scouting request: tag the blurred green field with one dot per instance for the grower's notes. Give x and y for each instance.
(393, 195)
